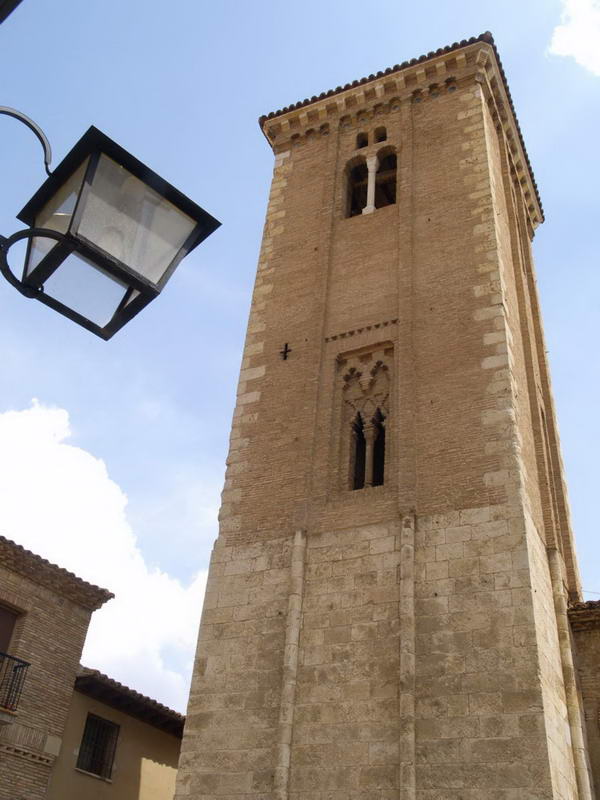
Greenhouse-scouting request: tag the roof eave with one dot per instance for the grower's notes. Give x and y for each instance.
(508, 118)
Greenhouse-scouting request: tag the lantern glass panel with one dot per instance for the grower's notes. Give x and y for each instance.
(86, 289)
(56, 215)
(131, 222)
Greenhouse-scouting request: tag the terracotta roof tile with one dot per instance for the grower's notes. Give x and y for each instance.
(483, 37)
(17, 558)
(585, 616)
(95, 684)
(586, 605)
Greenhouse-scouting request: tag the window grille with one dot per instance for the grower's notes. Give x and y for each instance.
(98, 744)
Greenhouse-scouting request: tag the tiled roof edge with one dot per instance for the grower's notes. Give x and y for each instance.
(584, 616)
(16, 557)
(486, 37)
(89, 676)
(585, 605)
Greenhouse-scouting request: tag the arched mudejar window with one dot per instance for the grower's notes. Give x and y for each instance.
(358, 453)
(358, 178)
(366, 401)
(362, 140)
(379, 448)
(380, 134)
(385, 180)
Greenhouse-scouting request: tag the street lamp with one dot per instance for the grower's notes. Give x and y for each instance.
(106, 234)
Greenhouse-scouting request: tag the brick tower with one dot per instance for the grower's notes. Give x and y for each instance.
(386, 612)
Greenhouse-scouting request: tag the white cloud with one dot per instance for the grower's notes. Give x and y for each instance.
(58, 501)
(578, 34)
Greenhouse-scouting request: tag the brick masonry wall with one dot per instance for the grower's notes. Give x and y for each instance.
(49, 635)
(410, 649)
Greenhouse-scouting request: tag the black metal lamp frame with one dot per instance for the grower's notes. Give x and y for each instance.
(141, 290)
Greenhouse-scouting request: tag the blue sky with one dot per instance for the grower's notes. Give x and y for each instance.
(136, 430)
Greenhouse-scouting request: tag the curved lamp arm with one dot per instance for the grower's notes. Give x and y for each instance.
(11, 112)
(6, 244)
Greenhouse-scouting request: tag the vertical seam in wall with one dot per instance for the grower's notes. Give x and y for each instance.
(290, 667)
(407, 657)
(407, 781)
(412, 362)
(325, 260)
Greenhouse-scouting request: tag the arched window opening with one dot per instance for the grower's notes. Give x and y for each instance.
(379, 449)
(358, 454)
(358, 178)
(365, 392)
(385, 181)
(362, 140)
(380, 134)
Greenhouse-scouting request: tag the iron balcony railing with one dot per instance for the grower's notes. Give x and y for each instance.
(12, 677)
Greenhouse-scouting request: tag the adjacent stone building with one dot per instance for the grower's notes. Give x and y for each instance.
(67, 732)
(585, 624)
(117, 744)
(386, 611)
(44, 616)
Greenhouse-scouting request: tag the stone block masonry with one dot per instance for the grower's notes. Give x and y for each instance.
(385, 614)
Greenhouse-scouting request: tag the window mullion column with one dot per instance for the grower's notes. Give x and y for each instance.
(372, 164)
(370, 432)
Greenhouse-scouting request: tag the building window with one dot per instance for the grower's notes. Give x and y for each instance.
(358, 178)
(385, 181)
(362, 140)
(367, 451)
(98, 744)
(379, 448)
(365, 409)
(358, 448)
(8, 618)
(371, 182)
(380, 134)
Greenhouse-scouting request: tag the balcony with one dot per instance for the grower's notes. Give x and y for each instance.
(12, 677)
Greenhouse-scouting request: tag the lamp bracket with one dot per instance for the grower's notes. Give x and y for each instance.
(5, 245)
(12, 112)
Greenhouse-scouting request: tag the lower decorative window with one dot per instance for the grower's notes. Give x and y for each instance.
(365, 392)
(367, 451)
(98, 745)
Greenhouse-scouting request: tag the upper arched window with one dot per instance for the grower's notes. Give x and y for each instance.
(358, 178)
(380, 134)
(362, 140)
(385, 180)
